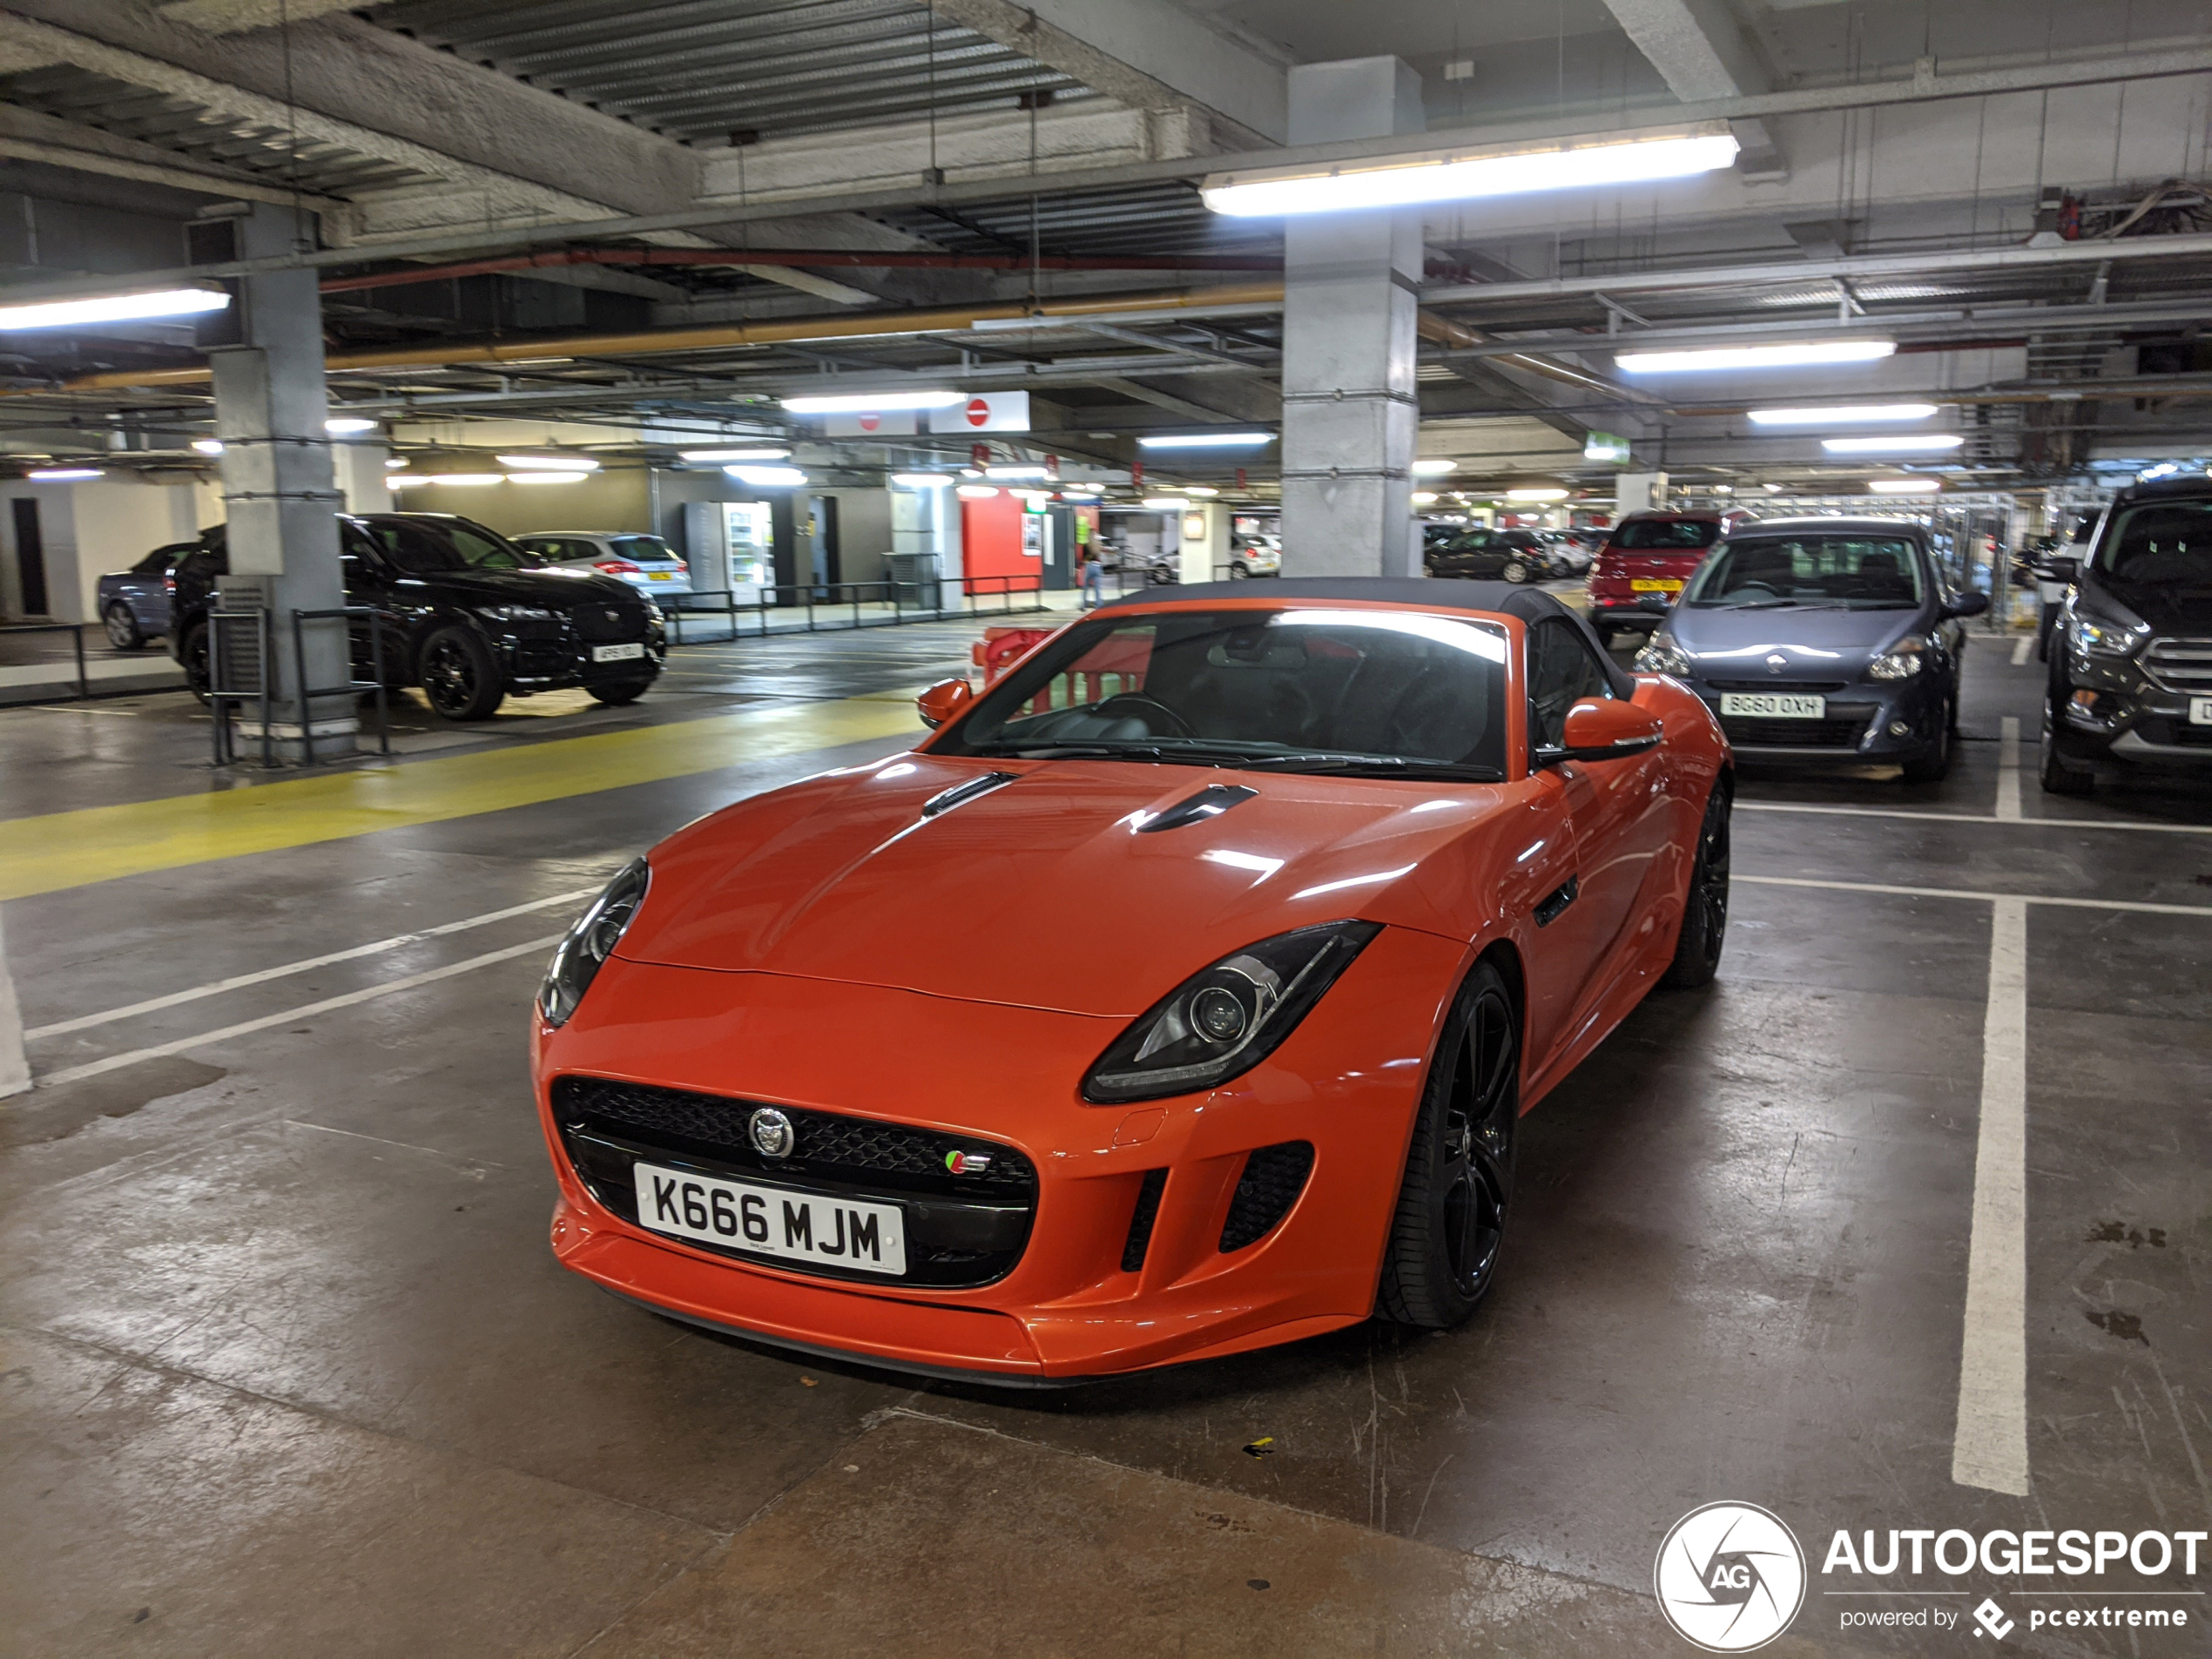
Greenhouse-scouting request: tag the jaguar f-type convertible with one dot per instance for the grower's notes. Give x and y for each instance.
(1177, 995)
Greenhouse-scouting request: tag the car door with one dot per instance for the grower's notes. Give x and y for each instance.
(368, 582)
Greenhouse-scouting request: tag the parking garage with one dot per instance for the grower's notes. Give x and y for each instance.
(1448, 764)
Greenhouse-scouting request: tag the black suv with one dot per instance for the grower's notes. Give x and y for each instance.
(2131, 653)
(463, 613)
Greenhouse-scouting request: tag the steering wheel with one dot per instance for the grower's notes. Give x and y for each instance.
(1146, 707)
(1763, 587)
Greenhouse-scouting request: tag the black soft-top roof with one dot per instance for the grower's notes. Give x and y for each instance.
(1425, 593)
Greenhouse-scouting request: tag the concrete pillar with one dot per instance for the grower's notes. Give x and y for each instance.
(1349, 411)
(1206, 542)
(359, 465)
(1637, 492)
(278, 496)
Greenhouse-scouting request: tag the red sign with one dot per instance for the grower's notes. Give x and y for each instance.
(1136, 472)
(980, 453)
(870, 422)
(977, 411)
(1240, 477)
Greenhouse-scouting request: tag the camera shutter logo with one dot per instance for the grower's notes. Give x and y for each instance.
(1992, 1618)
(1729, 1577)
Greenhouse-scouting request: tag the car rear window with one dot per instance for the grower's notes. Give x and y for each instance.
(1859, 572)
(1661, 533)
(646, 550)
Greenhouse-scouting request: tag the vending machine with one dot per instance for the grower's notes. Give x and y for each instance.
(732, 546)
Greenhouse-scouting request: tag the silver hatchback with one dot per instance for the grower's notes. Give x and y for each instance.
(646, 563)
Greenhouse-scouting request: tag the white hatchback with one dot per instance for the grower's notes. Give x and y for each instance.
(646, 563)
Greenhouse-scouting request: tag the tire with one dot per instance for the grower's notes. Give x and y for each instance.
(192, 656)
(1931, 764)
(1450, 1224)
(615, 696)
(1515, 572)
(458, 675)
(123, 631)
(1705, 918)
(2056, 777)
(1238, 573)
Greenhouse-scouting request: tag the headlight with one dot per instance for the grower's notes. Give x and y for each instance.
(1661, 656)
(516, 613)
(1221, 1024)
(2107, 637)
(1901, 661)
(591, 941)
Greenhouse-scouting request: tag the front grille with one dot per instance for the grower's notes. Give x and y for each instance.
(962, 1230)
(2160, 729)
(1792, 688)
(609, 621)
(1835, 732)
(1141, 1220)
(1273, 1177)
(2180, 665)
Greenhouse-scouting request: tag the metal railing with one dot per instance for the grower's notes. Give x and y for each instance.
(76, 630)
(352, 688)
(234, 679)
(922, 600)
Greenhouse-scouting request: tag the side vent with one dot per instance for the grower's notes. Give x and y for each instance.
(1210, 802)
(1140, 1225)
(1273, 1177)
(945, 799)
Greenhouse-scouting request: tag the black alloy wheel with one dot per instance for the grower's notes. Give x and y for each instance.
(1452, 1211)
(123, 631)
(2052, 772)
(1516, 571)
(192, 654)
(624, 691)
(1930, 766)
(458, 675)
(1704, 918)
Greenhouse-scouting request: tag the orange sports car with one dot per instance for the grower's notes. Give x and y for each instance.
(1177, 995)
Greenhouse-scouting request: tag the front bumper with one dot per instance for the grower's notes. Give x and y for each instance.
(2137, 727)
(1131, 1256)
(1860, 723)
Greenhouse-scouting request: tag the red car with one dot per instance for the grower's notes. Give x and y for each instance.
(1648, 556)
(1178, 995)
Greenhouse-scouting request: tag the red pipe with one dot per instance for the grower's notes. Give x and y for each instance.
(798, 258)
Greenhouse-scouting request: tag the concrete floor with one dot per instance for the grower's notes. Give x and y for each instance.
(289, 1368)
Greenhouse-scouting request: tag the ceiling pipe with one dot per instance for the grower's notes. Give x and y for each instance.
(1443, 332)
(819, 258)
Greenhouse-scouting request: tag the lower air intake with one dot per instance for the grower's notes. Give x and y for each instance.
(1273, 1177)
(1140, 1224)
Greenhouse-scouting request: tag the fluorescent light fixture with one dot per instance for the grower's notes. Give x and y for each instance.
(1016, 472)
(469, 479)
(869, 402)
(1458, 174)
(921, 480)
(1534, 493)
(1844, 415)
(551, 463)
(1797, 354)
(114, 307)
(1434, 468)
(1166, 503)
(394, 462)
(539, 476)
(977, 492)
(1904, 486)
(772, 452)
(1423, 497)
(1208, 441)
(1896, 445)
(401, 480)
(1078, 492)
(1200, 489)
(341, 426)
(208, 446)
(768, 477)
(64, 475)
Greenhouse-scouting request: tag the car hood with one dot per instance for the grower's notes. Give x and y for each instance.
(1042, 893)
(1821, 644)
(554, 589)
(2167, 609)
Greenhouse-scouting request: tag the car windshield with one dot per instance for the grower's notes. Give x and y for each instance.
(2161, 544)
(1827, 572)
(646, 550)
(425, 547)
(1662, 533)
(1379, 692)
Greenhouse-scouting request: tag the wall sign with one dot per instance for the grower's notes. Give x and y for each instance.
(984, 412)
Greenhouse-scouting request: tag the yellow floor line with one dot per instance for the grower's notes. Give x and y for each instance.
(101, 843)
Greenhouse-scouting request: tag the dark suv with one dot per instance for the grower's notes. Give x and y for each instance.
(1482, 555)
(2131, 654)
(463, 613)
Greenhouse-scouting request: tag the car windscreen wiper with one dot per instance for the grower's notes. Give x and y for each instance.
(1048, 749)
(1374, 766)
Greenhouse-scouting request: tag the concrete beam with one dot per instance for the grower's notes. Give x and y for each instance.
(31, 135)
(1147, 54)
(1700, 51)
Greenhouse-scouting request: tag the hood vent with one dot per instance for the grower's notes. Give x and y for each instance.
(945, 800)
(1210, 802)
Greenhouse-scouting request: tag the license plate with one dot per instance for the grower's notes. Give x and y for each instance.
(831, 1232)
(661, 575)
(2200, 711)
(1654, 584)
(615, 653)
(1774, 705)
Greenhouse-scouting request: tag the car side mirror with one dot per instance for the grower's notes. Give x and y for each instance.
(1657, 602)
(943, 700)
(1971, 604)
(2068, 570)
(1605, 728)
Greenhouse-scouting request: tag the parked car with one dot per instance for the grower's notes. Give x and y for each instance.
(462, 612)
(1154, 568)
(1568, 555)
(1824, 639)
(1642, 566)
(1258, 555)
(1483, 555)
(134, 604)
(1316, 1065)
(2131, 654)
(646, 563)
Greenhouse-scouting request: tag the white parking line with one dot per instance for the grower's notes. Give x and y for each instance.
(1971, 817)
(1984, 898)
(376, 948)
(1989, 1447)
(2009, 770)
(2022, 647)
(117, 1062)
